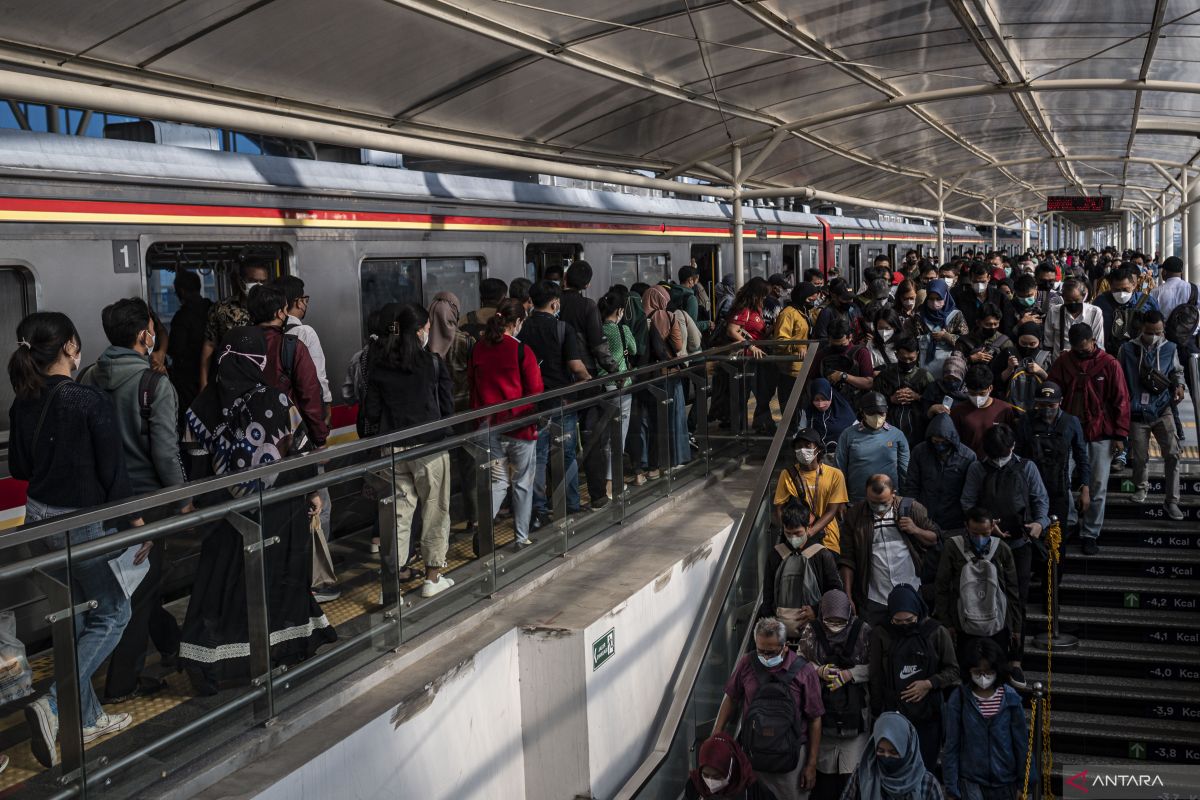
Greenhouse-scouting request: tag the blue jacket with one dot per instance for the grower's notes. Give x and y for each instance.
(862, 452)
(1164, 359)
(1108, 309)
(987, 752)
(937, 483)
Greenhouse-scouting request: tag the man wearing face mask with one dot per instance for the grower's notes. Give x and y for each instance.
(1071, 311)
(784, 756)
(820, 486)
(1051, 438)
(1155, 381)
(1123, 309)
(1010, 489)
(871, 446)
(232, 312)
(974, 419)
(1094, 391)
(975, 292)
(986, 344)
(1023, 308)
(980, 541)
(799, 570)
(884, 540)
(841, 306)
(903, 383)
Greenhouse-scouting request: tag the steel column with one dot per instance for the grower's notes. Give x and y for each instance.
(1191, 233)
(941, 209)
(739, 259)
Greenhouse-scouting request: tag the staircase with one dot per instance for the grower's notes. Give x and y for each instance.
(1130, 692)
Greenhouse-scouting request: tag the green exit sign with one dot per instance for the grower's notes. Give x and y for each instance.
(604, 648)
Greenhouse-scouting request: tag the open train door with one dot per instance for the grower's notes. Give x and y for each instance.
(708, 261)
(828, 265)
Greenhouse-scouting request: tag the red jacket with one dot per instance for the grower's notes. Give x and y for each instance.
(1094, 390)
(496, 377)
(304, 388)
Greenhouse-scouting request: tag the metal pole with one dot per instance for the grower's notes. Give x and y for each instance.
(1191, 232)
(1024, 232)
(994, 223)
(941, 209)
(1183, 219)
(739, 260)
(1056, 638)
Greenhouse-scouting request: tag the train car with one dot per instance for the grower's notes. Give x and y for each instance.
(86, 221)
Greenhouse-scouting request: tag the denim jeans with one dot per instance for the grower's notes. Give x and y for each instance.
(97, 631)
(626, 403)
(513, 465)
(1100, 454)
(541, 492)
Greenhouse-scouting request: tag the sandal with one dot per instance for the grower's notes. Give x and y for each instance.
(410, 573)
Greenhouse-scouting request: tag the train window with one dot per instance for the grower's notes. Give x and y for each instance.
(214, 262)
(792, 262)
(758, 263)
(814, 261)
(16, 300)
(837, 259)
(387, 280)
(460, 276)
(557, 255)
(631, 268)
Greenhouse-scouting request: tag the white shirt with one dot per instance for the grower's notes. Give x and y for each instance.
(1057, 338)
(1173, 292)
(306, 334)
(891, 563)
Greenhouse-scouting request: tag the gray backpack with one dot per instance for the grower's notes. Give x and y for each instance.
(982, 606)
(796, 585)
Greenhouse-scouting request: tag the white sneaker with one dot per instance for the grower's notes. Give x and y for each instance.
(43, 731)
(1140, 496)
(430, 588)
(106, 724)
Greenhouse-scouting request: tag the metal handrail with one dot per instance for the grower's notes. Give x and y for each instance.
(130, 507)
(685, 677)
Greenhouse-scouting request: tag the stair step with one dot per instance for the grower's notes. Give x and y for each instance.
(1123, 484)
(1107, 735)
(1110, 591)
(1121, 506)
(1123, 624)
(1168, 701)
(1135, 561)
(1097, 657)
(1164, 534)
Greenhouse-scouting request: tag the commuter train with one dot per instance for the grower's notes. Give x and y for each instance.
(86, 221)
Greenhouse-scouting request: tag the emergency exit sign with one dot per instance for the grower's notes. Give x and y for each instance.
(604, 648)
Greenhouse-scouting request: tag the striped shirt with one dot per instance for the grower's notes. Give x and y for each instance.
(990, 706)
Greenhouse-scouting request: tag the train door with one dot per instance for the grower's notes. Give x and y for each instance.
(554, 256)
(854, 266)
(708, 262)
(758, 264)
(216, 264)
(792, 264)
(891, 253)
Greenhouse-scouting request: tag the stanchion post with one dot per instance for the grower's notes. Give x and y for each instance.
(1054, 637)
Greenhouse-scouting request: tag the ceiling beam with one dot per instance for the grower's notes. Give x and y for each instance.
(1160, 10)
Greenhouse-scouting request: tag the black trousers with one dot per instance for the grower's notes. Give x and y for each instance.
(596, 430)
(148, 621)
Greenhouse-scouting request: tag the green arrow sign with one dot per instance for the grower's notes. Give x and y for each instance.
(1127, 485)
(1137, 750)
(603, 649)
(1132, 600)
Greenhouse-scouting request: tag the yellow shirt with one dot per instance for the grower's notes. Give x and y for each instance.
(791, 324)
(823, 487)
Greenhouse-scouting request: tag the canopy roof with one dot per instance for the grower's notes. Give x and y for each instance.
(877, 99)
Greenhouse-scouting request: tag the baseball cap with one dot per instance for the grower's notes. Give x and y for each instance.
(1049, 392)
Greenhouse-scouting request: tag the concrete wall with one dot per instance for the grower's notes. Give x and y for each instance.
(532, 715)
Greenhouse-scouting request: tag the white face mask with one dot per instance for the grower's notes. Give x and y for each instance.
(717, 784)
(77, 359)
(806, 455)
(153, 341)
(985, 680)
(796, 541)
(1122, 297)
(835, 627)
(979, 287)
(886, 333)
(423, 337)
(1149, 340)
(1000, 462)
(979, 400)
(881, 508)
(250, 285)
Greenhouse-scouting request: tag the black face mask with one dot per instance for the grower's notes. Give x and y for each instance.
(1074, 308)
(1027, 352)
(1047, 414)
(1046, 286)
(906, 629)
(951, 385)
(987, 334)
(906, 367)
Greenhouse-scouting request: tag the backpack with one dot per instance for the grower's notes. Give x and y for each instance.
(147, 386)
(678, 297)
(1023, 386)
(1006, 495)
(657, 350)
(913, 658)
(472, 326)
(1051, 452)
(1127, 323)
(843, 708)
(982, 606)
(1184, 318)
(796, 585)
(771, 732)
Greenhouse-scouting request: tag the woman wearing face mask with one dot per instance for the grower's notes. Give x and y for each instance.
(828, 413)
(946, 392)
(723, 771)
(883, 327)
(409, 386)
(64, 440)
(907, 298)
(503, 369)
(987, 735)
(820, 486)
(937, 326)
(623, 346)
(837, 643)
(891, 768)
(1026, 369)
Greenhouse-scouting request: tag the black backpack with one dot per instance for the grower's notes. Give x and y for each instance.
(1050, 450)
(472, 326)
(771, 732)
(1006, 495)
(913, 658)
(1127, 323)
(1181, 324)
(843, 708)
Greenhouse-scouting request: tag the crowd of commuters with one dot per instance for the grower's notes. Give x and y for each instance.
(953, 414)
(950, 412)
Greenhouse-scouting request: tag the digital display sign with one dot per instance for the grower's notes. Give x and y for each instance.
(1096, 204)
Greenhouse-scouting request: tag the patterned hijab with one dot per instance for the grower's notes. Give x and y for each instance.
(239, 418)
(443, 323)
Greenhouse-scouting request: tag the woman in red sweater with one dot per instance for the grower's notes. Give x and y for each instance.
(503, 369)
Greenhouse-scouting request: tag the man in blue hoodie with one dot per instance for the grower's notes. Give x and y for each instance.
(937, 473)
(151, 447)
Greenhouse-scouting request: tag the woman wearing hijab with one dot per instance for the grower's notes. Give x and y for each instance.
(665, 339)
(453, 345)
(941, 395)
(829, 413)
(891, 768)
(836, 643)
(244, 422)
(722, 771)
(937, 326)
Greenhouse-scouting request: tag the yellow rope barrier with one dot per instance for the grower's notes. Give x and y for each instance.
(1041, 707)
